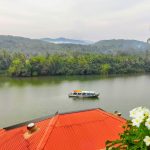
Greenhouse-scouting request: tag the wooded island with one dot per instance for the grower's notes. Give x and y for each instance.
(23, 65)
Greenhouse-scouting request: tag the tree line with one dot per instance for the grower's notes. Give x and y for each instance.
(23, 65)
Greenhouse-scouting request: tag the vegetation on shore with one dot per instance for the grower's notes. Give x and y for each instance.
(23, 65)
(136, 135)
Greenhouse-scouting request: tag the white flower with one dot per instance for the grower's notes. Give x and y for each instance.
(146, 112)
(147, 123)
(137, 121)
(140, 111)
(133, 112)
(139, 115)
(147, 140)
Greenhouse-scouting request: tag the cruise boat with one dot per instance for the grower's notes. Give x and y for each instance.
(83, 94)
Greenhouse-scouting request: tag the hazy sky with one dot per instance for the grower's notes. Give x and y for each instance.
(79, 19)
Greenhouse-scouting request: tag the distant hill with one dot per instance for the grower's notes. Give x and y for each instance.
(27, 45)
(122, 46)
(16, 43)
(66, 41)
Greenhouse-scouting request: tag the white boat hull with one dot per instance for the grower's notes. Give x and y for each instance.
(84, 96)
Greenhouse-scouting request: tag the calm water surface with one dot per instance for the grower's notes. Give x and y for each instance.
(29, 98)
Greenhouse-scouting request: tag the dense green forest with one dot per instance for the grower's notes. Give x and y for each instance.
(23, 65)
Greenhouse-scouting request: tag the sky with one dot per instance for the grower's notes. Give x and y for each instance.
(79, 19)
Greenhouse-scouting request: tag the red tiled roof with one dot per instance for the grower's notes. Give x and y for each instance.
(87, 130)
(12, 140)
(2, 131)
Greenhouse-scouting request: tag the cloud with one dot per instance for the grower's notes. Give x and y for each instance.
(84, 19)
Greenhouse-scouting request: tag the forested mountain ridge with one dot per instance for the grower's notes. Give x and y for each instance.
(34, 46)
(122, 45)
(16, 43)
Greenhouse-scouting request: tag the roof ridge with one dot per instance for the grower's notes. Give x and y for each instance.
(79, 111)
(48, 131)
(121, 119)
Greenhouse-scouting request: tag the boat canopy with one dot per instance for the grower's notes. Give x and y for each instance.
(77, 91)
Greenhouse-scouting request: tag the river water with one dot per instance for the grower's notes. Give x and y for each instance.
(23, 99)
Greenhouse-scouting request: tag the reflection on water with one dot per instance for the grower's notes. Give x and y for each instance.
(38, 81)
(23, 99)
